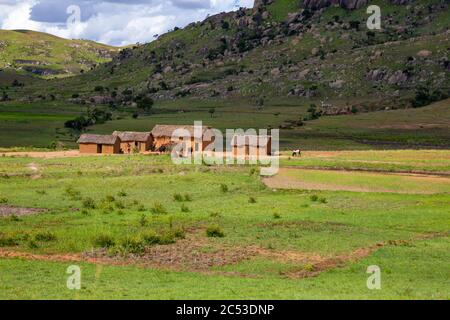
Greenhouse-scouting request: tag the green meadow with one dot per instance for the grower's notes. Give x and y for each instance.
(41, 124)
(160, 231)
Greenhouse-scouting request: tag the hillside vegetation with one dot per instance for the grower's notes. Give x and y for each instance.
(311, 68)
(45, 55)
(141, 227)
(289, 49)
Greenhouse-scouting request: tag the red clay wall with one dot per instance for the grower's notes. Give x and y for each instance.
(88, 148)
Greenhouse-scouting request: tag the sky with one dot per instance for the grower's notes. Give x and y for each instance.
(114, 22)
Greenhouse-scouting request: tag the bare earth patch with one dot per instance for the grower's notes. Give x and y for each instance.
(46, 155)
(196, 254)
(7, 211)
(286, 179)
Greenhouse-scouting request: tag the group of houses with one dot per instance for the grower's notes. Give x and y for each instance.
(160, 139)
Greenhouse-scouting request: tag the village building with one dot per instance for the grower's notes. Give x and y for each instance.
(94, 143)
(251, 145)
(134, 142)
(162, 138)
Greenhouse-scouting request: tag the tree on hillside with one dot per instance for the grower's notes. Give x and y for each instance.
(260, 102)
(313, 114)
(145, 103)
(212, 111)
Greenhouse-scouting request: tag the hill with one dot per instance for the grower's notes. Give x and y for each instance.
(264, 68)
(286, 48)
(45, 55)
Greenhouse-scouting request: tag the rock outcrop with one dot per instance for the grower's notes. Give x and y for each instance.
(346, 4)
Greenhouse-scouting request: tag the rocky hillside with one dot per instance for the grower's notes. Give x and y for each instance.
(30, 52)
(311, 49)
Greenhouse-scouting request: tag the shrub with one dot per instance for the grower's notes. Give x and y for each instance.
(252, 200)
(314, 198)
(8, 241)
(103, 241)
(167, 238)
(45, 236)
(88, 203)
(178, 197)
(122, 194)
(73, 194)
(224, 188)
(32, 244)
(108, 210)
(151, 237)
(141, 208)
(143, 221)
(185, 208)
(133, 245)
(99, 89)
(214, 231)
(215, 215)
(179, 233)
(323, 200)
(187, 197)
(308, 267)
(120, 205)
(3, 200)
(171, 236)
(41, 192)
(110, 198)
(158, 208)
(276, 215)
(14, 218)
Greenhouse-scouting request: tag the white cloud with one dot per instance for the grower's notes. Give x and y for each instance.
(116, 22)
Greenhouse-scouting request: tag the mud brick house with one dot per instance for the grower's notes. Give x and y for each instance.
(162, 137)
(251, 145)
(94, 143)
(134, 142)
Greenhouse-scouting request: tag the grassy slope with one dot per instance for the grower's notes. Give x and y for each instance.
(349, 63)
(41, 123)
(392, 160)
(346, 222)
(425, 278)
(62, 56)
(393, 129)
(423, 127)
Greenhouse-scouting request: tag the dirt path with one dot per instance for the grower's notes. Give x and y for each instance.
(7, 211)
(45, 155)
(191, 255)
(287, 179)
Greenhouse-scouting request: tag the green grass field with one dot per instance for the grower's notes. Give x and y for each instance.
(407, 161)
(153, 218)
(41, 124)
(51, 56)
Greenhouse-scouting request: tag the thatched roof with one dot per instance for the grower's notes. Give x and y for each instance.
(167, 131)
(250, 140)
(98, 139)
(128, 136)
